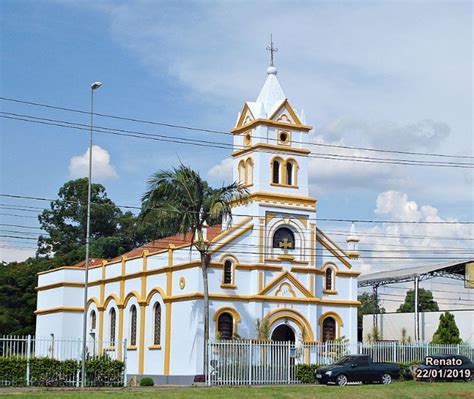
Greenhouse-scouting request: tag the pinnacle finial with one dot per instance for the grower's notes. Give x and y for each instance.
(272, 69)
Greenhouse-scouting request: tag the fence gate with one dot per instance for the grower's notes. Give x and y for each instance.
(252, 363)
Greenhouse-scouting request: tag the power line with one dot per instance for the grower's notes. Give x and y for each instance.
(214, 131)
(247, 215)
(204, 143)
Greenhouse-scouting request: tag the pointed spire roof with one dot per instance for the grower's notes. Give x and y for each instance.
(352, 237)
(271, 94)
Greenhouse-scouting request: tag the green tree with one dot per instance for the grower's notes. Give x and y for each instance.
(112, 231)
(18, 295)
(368, 305)
(447, 332)
(185, 202)
(426, 303)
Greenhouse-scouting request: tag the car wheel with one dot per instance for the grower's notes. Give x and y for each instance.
(341, 380)
(386, 379)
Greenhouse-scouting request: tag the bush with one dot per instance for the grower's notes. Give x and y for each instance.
(147, 382)
(13, 371)
(305, 373)
(45, 371)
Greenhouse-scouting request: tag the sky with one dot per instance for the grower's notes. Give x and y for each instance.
(379, 74)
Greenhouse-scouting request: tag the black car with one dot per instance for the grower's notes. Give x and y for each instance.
(441, 368)
(357, 368)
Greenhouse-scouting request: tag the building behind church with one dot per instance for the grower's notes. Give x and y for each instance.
(273, 264)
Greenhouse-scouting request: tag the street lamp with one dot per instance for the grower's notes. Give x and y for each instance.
(94, 86)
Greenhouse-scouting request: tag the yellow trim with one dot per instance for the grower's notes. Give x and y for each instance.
(131, 347)
(233, 261)
(130, 295)
(260, 267)
(95, 301)
(311, 284)
(231, 238)
(156, 290)
(243, 115)
(182, 282)
(228, 286)
(297, 317)
(332, 247)
(285, 198)
(312, 255)
(336, 317)
(267, 122)
(235, 318)
(247, 135)
(286, 105)
(261, 241)
(271, 148)
(249, 164)
(154, 347)
(59, 285)
(329, 292)
(110, 298)
(167, 355)
(260, 281)
(58, 309)
(334, 268)
(286, 275)
(232, 229)
(141, 354)
(287, 141)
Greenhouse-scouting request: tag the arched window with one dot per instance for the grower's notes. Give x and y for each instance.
(227, 272)
(157, 324)
(225, 325)
(241, 172)
(249, 171)
(329, 275)
(133, 325)
(276, 171)
(329, 329)
(93, 320)
(289, 173)
(284, 238)
(113, 320)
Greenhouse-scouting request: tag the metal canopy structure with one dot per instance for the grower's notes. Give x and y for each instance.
(455, 270)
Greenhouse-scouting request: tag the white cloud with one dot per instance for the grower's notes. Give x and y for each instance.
(101, 166)
(222, 171)
(8, 253)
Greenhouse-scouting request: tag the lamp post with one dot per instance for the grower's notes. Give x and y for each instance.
(94, 86)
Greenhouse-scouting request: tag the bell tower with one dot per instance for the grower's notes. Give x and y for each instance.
(270, 157)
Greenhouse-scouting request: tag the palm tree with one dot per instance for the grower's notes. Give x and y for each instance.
(186, 203)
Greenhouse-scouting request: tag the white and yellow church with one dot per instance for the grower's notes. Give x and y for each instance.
(272, 264)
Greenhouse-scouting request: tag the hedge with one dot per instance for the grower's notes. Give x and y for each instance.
(44, 371)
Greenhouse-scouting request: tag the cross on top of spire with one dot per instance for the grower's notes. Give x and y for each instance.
(272, 50)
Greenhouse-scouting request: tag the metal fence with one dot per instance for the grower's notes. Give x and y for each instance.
(258, 363)
(51, 361)
(251, 363)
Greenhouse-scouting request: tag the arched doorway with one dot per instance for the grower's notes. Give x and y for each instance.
(283, 333)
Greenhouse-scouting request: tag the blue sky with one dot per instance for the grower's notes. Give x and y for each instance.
(393, 75)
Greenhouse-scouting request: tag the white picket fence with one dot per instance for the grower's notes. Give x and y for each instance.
(257, 363)
(29, 348)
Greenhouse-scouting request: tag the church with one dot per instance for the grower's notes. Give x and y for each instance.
(273, 265)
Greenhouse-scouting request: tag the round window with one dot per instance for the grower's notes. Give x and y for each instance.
(284, 137)
(247, 139)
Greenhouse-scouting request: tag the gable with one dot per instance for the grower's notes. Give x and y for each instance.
(246, 116)
(285, 114)
(333, 248)
(285, 285)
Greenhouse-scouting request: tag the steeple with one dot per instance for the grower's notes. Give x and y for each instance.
(352, 241)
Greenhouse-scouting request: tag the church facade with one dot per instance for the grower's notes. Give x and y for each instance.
(273, 265)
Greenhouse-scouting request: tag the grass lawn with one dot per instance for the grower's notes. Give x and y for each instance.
(397, 390)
